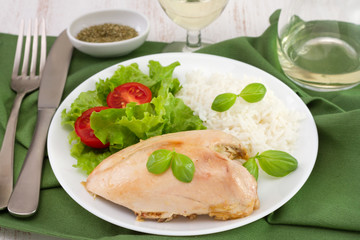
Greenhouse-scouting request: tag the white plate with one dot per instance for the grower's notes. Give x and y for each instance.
(273, 192)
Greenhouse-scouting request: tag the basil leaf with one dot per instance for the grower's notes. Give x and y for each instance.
(277, 163)
(159, 161)
(252, 167)
(183, 167)
(223, 102)
(253, 92)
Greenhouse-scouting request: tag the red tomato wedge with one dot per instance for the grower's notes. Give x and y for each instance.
(85, 132)
(128, 92)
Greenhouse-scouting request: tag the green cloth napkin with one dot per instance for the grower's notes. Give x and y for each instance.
(327, 206)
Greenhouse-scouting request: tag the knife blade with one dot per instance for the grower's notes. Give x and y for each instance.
(25, 196)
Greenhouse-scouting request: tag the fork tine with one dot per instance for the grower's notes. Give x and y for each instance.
(43, 47)
(26, 51)
(34, 49)
(18, 50)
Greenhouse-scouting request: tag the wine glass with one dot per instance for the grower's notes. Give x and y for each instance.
(193, 15)
(319, 43)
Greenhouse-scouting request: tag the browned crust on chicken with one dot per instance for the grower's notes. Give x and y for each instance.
(224, 211)
(232, 151)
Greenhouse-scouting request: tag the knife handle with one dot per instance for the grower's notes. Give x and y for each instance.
(25, 196)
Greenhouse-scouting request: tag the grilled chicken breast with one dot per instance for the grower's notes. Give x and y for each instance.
(221, 187)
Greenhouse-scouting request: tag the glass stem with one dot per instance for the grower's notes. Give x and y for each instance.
(193, 39)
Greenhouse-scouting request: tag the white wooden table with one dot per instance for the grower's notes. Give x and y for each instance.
(240, 18)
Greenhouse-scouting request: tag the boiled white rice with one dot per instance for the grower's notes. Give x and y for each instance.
(261, 126)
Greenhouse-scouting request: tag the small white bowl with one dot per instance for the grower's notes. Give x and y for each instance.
(110, 49)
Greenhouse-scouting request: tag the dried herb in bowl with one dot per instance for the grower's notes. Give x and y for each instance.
(107, 32)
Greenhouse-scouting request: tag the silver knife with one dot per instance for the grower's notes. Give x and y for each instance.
(25, 196)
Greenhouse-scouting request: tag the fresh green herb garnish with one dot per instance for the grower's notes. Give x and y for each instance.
(182, 166)
(252, 93)
(159, 161)
(273, 162)
(252, 167)
(277, 163)
(223, 102)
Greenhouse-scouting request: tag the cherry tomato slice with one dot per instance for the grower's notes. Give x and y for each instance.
(85, 132)
(128, 92)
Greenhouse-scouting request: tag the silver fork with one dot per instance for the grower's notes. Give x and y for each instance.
(22, 84)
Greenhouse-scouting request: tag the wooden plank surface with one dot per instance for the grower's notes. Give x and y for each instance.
(240, 18)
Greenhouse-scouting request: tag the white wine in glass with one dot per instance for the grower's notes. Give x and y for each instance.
(193, 15)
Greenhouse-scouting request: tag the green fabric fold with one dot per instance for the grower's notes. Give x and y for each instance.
(327, 206)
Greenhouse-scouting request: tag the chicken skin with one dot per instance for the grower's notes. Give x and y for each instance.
(221, 187)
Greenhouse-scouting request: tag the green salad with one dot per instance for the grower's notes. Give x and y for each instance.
(122, 127)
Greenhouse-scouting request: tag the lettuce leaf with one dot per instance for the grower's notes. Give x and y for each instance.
(176, 114)
(133, 123)
(127, 126)
(164, 82)
(83, 102)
